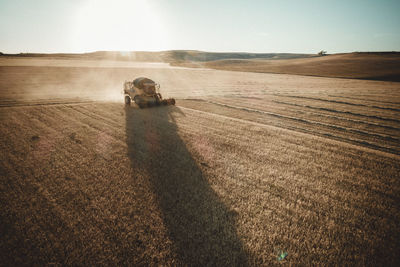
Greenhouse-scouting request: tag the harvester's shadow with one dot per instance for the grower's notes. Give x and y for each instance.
(200, 226)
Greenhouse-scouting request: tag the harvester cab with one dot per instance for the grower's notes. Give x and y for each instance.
(145, 93)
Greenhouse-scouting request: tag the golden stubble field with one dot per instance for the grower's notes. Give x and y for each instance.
(245, 166)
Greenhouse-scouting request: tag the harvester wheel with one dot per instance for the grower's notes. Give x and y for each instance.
(142, 105)
(127, 100)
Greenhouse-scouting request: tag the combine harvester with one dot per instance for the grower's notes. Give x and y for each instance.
(145, 93)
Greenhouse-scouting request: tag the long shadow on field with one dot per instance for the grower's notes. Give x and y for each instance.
(200, 226)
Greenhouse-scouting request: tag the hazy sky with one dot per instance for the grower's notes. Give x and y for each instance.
(297, 26)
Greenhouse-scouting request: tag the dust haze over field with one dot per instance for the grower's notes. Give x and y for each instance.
(245, 167)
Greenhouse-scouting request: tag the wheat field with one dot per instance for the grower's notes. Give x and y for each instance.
(246, 167)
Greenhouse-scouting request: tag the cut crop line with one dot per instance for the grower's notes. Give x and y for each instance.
(96, 117)
(339, 111)
(337, 117)
(363, 99)
(335, 127)
(339, 102)
(349, 141)
(22, 104)
(90, 112)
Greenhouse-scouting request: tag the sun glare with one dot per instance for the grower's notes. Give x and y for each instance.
(119, 25)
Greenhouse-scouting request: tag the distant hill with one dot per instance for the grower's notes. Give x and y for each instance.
(166, 56)
(200, 56)
(384, 66)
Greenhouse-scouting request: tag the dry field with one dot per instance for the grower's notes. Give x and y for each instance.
(382, 66)
(244, 167)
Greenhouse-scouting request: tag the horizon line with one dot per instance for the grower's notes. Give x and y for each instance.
(189, 50)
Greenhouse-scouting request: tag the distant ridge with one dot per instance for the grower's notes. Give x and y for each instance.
(165, 56)
(383, 66)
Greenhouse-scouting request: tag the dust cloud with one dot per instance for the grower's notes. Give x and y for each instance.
(60, 79)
